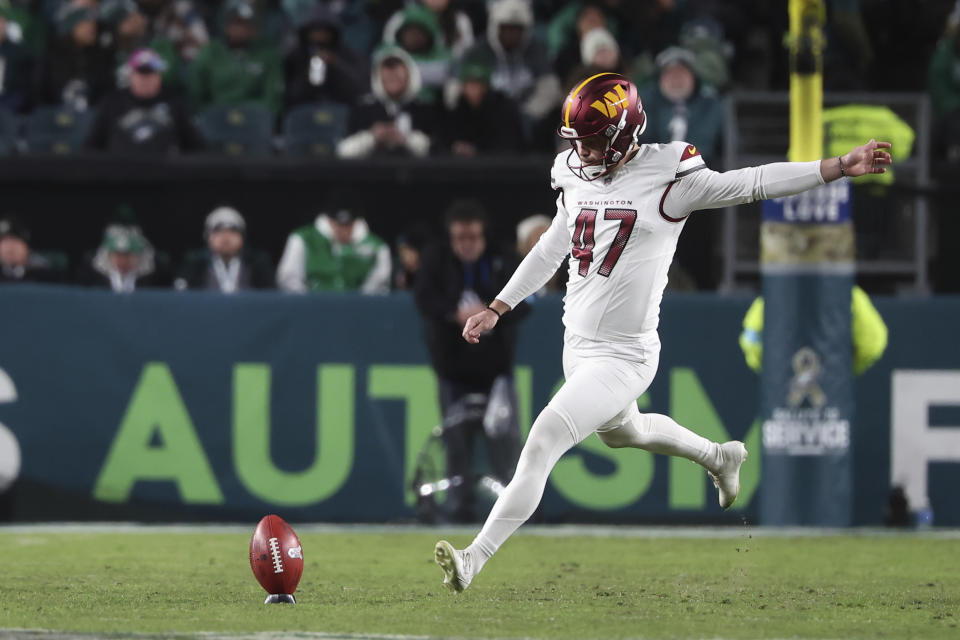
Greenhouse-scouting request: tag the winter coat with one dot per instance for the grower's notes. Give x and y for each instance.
(335, 77)
(441, 282)
(416, 120)
(127, 124)
(221, 75)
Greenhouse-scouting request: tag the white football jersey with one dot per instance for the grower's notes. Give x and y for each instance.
(621, 233)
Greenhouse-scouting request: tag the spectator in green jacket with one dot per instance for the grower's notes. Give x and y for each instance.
(236, 69)
(336, 253)
(680, 107)
(869, 333)
(419, 34)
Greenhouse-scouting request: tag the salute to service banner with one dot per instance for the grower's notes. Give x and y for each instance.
(183, 406)
(806, 394)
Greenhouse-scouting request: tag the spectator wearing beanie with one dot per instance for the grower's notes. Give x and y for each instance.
(75, 70)
(484, 120)
(680, 107)
(143, 119)
(226, 265)
(18, 263)
(124, 262)
(322, 67)
(599, 53)
(237, 68)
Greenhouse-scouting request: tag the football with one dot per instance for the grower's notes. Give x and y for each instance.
(276, 556)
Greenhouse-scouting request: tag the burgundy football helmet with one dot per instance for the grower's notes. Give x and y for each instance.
(606, 105)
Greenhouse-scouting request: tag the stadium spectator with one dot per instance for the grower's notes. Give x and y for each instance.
(123, 29)
(359, 28)
(566, 30)
(15, 61)
(420, 35)
(704, 37)
(75, 71)
(868, 332)
(143, 118)
(322, 67)
(179, 23)
(26, 23)
(125, 262)
(599, 53)
(226, 265)
(484, 120)
(389, 119)
(456, 28)
(521, 68)
(236, 69)
(456, 280)
(680, 107)
(529, 231)
(18, 263)
(336, 253)
(408, 252)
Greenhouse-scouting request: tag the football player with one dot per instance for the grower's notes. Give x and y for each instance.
(620, 209)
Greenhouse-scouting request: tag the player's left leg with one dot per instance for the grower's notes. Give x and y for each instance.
(662, 434)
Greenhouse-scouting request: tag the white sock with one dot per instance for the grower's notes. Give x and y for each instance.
(662, 434)
(548, 440)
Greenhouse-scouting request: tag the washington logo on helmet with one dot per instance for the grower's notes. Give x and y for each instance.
(613, 103)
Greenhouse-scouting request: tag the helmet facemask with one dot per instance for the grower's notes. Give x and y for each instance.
(618, 146)
(607, 107)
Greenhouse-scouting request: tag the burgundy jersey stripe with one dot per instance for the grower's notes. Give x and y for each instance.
(664, 197)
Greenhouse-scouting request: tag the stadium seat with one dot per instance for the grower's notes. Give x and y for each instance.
(237, 130)
(57, 130)
(314, 129)
(8, 132)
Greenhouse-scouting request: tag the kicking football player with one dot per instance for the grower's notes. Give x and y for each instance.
(620, 209)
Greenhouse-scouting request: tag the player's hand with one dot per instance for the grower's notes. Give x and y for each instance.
(479, 323)
(869, 158)
(464, 312)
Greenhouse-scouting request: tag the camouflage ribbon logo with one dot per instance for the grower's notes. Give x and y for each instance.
(804, 385)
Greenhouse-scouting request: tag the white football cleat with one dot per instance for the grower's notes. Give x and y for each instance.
(457, 566)
(727, 478)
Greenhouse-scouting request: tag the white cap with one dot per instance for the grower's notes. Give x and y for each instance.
(527, 225)
(593, 41)
(225, 218)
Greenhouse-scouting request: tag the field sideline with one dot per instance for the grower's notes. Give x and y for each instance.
(183, 581)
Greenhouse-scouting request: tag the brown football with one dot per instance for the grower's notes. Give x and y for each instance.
(276, 555)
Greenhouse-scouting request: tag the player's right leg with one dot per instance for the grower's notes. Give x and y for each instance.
(549, 438)
(595, 389)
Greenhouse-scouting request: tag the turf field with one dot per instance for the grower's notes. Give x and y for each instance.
(610, 583)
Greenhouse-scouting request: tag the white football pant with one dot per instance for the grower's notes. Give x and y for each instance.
(603, 382)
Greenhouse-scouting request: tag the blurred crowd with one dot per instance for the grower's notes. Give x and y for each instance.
(413, 77)
(338, 252)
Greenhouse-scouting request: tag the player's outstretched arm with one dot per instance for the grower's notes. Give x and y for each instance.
(698, 187)
(484, 321)
(867, 158)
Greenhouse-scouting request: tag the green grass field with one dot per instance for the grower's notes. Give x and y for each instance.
(744, 585)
